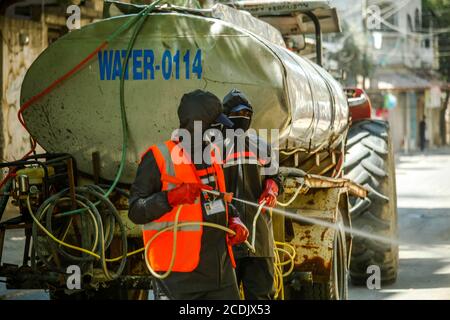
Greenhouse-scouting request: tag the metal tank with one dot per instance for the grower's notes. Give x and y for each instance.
(176, 51)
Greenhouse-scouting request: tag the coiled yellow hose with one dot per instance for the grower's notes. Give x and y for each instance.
(279, 248)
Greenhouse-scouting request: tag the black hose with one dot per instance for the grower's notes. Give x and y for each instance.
(60, 248)
(52, 201)
(112, 208)
(121, 191)
(123, 232)
(81, 194)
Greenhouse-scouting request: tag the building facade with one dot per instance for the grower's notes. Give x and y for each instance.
(27, 27)
(404, 85)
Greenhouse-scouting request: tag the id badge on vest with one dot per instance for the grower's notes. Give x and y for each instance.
(214, 207)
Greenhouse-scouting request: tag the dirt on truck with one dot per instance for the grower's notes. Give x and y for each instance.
(114, 91)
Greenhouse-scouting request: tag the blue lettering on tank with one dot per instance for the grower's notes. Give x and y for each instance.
(148, 64)
(137, 65)
(117, 68)
(104, 63)
(149, 60)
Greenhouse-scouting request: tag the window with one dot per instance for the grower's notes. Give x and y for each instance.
(389, 15)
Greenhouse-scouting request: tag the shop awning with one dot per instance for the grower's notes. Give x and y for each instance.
(401, 80)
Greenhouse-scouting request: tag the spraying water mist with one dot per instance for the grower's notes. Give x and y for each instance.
(352, 230)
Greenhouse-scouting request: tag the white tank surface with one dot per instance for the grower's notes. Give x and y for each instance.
(175, 52)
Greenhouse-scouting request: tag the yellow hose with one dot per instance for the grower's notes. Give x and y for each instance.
(51, 236)
(281, 248)
(145, 249)
(278, 264)
(286, 204)
(175, 227)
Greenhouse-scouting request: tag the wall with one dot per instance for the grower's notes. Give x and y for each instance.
(432, 125)
(15, 61)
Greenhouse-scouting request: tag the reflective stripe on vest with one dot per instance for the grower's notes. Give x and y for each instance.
(158, 226)
(187, 254)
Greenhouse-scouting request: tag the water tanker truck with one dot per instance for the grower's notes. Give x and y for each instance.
(99, 96)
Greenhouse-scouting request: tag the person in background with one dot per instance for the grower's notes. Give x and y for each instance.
(422, 131)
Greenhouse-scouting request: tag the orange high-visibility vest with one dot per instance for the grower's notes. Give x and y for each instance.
(173, 171)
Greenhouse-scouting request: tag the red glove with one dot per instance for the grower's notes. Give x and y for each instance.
(235, 224)
(186, 193)
(270, 193)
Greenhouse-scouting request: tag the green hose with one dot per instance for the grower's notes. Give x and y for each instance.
(138, 21)
(99, 247)
(142, 18)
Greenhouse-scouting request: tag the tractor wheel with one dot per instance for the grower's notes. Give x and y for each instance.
(370, 162)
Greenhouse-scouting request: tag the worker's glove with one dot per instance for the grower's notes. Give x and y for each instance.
(235, 224)
(270, 193)
(186, 193)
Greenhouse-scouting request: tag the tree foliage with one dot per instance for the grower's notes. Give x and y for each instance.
(436, 15)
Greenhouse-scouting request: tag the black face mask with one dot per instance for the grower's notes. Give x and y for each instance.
(240, 122)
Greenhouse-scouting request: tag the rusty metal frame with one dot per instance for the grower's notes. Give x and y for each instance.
(311, 181)
(325, 199)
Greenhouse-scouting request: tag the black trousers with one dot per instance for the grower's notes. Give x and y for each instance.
(256, 275)
(230, 292)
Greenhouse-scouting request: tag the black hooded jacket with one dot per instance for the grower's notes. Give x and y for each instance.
(245, 176)
(147, 203)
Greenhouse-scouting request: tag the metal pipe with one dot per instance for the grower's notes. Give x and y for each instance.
(318, 31)
(23, 184)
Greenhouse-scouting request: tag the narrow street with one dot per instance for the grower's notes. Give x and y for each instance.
(423, 187)
(423, 190)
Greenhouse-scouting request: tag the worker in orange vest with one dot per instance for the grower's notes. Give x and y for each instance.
(167, 188)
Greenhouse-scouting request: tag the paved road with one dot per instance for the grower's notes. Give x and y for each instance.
(423, 190)
(423, 186)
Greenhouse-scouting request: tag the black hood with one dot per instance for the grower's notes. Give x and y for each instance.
(234, 98)
(201, 106)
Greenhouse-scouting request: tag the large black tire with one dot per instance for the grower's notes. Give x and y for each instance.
(370, 162)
